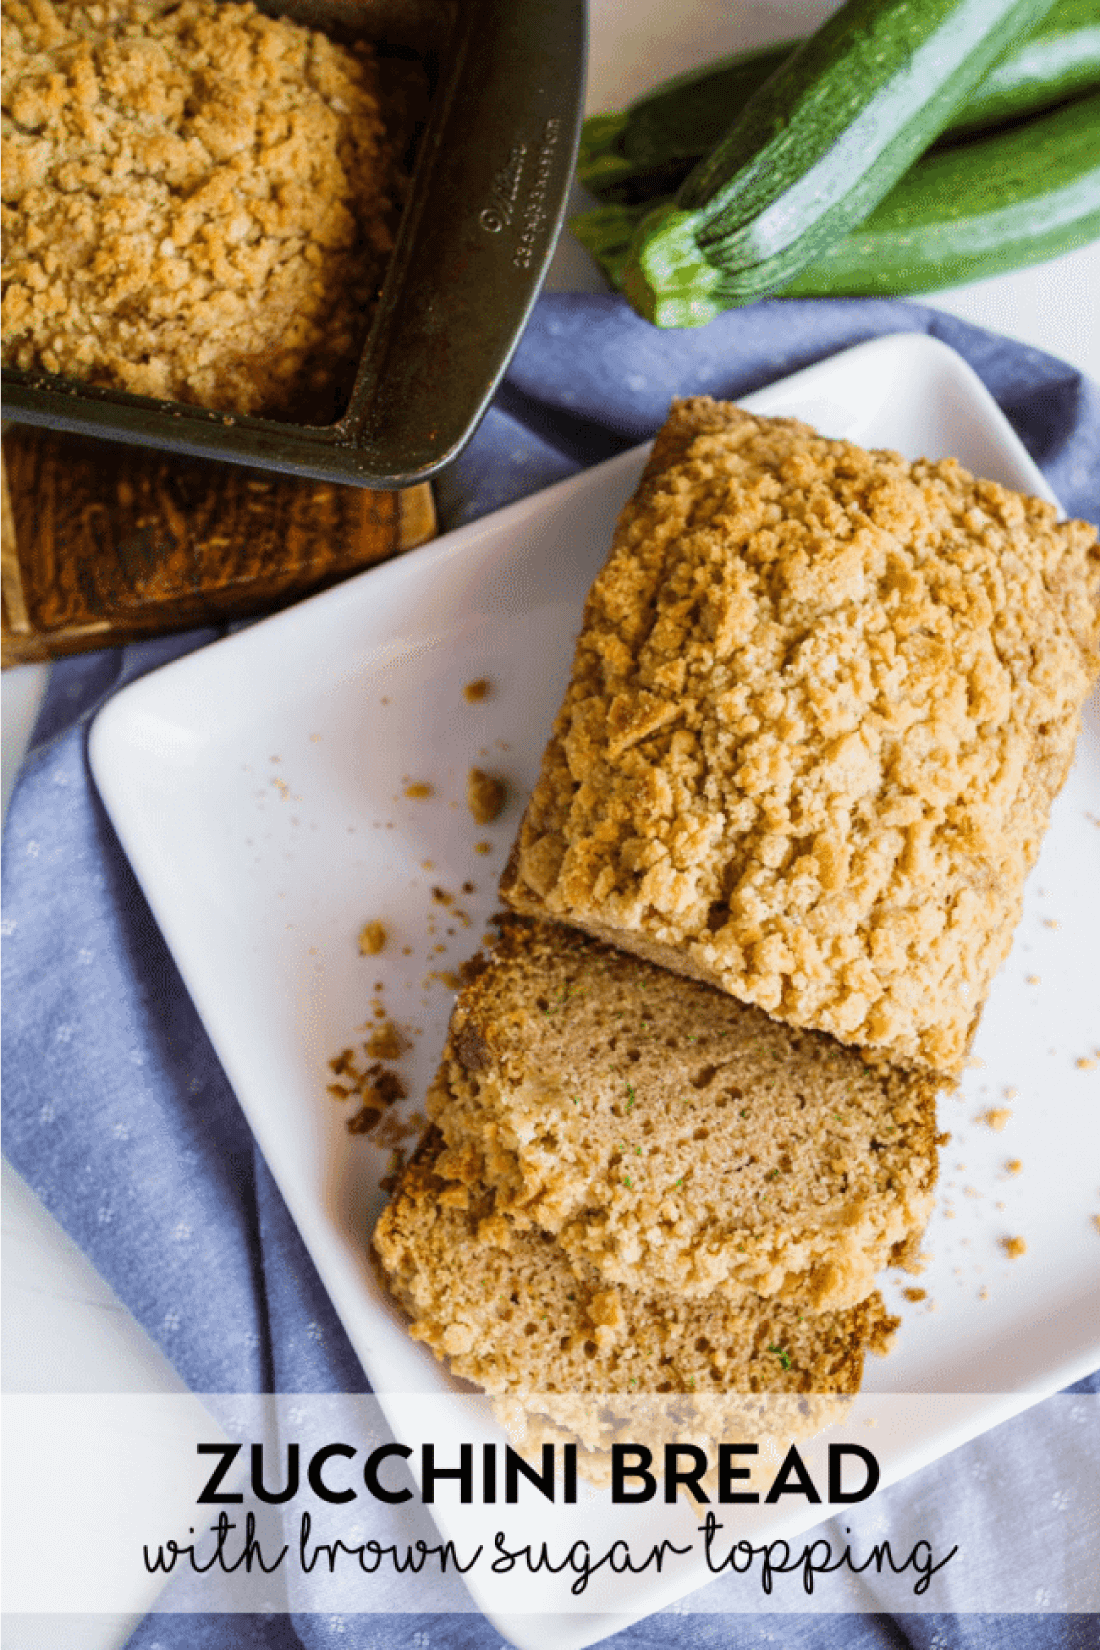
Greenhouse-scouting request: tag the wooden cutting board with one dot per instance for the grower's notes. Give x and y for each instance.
(105, 543)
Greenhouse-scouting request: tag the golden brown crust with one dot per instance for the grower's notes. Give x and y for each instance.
(820, 705)
(198, 201)
(505, 1309)
(673, 1138)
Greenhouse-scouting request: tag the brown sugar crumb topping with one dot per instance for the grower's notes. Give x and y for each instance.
(485, 796)
(199, 202)
(1014, 1247)
(1014, 1166)
(419, 792)
(372, 939)
(820, 704)
(915, 1294)
(474, 692)
(997, 1117)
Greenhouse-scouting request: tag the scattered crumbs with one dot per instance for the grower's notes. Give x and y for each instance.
(384, 700)
(442, 897)
(483, 847)
(871, 1421)
(280, 784)
(914, 1294)
(1013, 1166)
(406, 950)
(1050, 922)
(1033, 979)
(1096, 1222)
(996, 1117)
(316, 738)
(1085, 1062)
(1000, 1204)
(475, 692)
(394, 1130)
(485, 796)
(378, 1090)
(972, 1191)
(983, 1292)
(390, 1179)
(388, 1042)
(427, 864)
(372, 939)
(418, 791)
(1014, 1247)
(445, 976)
(1011, 1093)
(469, 888)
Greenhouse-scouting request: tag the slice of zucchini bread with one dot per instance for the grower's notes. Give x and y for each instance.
(673, 1138)
(506, 1309)
(820, 704)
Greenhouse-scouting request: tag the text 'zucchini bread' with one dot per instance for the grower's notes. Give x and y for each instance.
(505, 1309)
(673, 1138)
(820, 705)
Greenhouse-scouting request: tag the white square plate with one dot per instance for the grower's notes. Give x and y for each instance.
(259, 789)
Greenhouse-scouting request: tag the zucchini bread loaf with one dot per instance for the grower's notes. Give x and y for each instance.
(674, 1139)
(820, 705)
(506, 1309)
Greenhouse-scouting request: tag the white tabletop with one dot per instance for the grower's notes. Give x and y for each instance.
(64, 1330)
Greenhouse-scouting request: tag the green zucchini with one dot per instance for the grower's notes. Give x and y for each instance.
(815, 150)
(1057, 61)
(607, 232)
(999, 202)
(646, 151)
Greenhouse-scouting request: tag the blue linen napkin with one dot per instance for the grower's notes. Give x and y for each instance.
(119, 1115)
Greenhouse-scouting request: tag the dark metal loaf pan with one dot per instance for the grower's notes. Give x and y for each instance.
(487, 200)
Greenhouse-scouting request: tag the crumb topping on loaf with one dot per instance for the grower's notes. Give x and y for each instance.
(820, 705)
